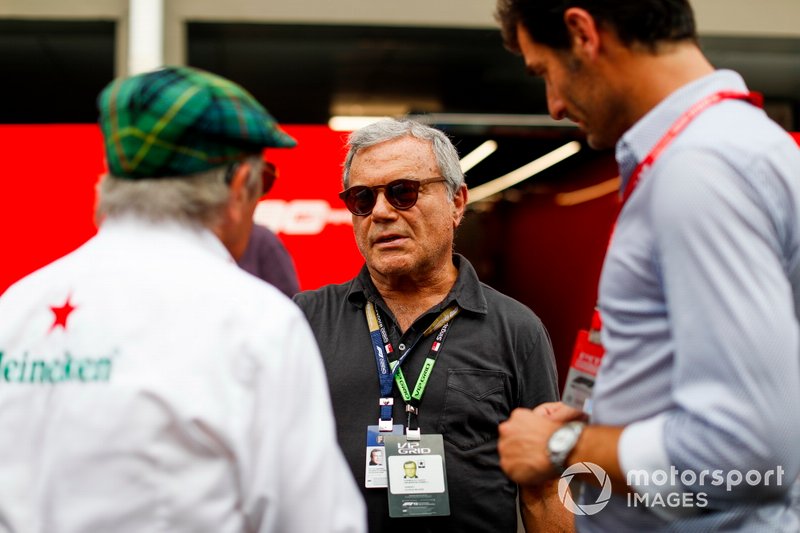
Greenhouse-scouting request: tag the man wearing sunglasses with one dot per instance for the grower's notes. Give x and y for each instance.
(417, 317)
(147, 383)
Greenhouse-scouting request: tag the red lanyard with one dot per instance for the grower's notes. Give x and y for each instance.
(675, 130)
(679, 125)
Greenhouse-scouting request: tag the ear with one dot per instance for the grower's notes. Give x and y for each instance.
(459, 205)
(239, 195)
(233, 229)
(583, 32)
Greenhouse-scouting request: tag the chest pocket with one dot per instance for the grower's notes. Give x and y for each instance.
(476, 401)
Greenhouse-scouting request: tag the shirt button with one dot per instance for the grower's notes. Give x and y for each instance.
(402, 347)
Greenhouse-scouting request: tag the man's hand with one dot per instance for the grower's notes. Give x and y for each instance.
(523, 445)
(523, 441)
(560, 412)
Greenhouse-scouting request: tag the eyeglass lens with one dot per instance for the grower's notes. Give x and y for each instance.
(401, 194)
(269, 172)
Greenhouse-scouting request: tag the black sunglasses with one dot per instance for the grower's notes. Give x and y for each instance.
(269, 172)
(401, 194)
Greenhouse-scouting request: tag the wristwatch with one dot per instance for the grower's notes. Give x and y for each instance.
(561, 443)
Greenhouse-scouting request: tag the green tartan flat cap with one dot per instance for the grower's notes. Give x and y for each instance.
(177, 121)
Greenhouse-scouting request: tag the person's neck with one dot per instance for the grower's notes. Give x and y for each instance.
(652, 77)
(409, 296)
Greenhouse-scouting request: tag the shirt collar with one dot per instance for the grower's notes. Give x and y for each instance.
(169, 234)
(467, 291)
(640, 139)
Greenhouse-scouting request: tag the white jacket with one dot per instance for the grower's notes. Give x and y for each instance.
(147, 384)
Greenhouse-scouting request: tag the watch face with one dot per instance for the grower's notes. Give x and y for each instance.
(561, 439)
(561, 443)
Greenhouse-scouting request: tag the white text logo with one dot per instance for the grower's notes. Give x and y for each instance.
(299, 217)
(566, 497)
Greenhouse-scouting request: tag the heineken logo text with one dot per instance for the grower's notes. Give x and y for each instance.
(52, 371)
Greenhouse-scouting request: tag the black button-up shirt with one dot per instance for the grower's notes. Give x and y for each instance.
(497, 356)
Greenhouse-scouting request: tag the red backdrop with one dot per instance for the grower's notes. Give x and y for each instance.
(49, 173)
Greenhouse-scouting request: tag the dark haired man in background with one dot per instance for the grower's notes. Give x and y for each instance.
(700, 290)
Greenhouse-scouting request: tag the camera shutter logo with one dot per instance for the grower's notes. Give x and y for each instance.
(566, 497)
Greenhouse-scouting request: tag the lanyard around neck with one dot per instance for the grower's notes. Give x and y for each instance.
(382, 348)
(677, 127)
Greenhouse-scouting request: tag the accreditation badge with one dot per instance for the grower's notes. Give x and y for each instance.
(586, 358)
(417, 476)
(375, 462)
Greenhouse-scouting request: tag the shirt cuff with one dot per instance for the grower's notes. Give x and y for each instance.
(641, 453)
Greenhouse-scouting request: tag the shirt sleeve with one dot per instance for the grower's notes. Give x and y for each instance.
(539, 376)
(295, 435)
(736, 371)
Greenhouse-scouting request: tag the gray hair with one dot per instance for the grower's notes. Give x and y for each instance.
(198, 198)
(390, 129)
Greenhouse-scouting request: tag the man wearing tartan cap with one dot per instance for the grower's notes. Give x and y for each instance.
(179, 120)
(148, 383)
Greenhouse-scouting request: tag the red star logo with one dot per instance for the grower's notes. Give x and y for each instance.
(62, 314)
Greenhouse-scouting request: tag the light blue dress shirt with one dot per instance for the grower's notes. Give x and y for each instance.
(699, 295)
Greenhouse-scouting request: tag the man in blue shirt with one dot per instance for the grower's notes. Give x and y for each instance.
(694, 414)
